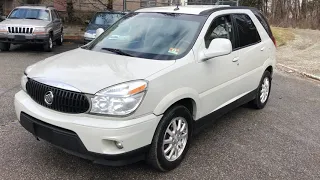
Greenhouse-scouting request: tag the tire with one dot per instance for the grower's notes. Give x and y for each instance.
(261, 100)
(59, 41)
(48, 46)
(5, 46)
(156, 156)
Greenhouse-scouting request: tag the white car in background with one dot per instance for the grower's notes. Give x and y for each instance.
(144, 87)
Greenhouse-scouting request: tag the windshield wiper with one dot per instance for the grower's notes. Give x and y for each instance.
(32, 18)
(117, 51)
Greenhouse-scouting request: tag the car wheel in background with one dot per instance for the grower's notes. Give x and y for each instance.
(48, 46)
(59, 41)
(5, 46)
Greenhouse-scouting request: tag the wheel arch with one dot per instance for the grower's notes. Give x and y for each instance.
(51, 33)
(270, 69)
(184, 96)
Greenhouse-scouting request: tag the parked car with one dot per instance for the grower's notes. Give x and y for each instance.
(103, 19)
(31, 25)
(144, 87)
(2, 17)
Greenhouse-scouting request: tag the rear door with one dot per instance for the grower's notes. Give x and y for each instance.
(252, 51)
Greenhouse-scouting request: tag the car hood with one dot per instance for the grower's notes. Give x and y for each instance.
(25, 22)
(90, 71)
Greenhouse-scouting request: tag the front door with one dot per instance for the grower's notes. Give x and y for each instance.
(219, 73)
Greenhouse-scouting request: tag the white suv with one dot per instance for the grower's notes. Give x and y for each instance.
(141, 89)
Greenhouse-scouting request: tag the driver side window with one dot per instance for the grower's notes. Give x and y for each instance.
(221, 27)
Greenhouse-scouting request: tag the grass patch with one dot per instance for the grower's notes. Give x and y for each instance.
(282, 35)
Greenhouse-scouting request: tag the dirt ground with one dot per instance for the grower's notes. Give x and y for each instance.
(303, 53)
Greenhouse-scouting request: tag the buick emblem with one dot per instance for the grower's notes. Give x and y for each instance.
(48, 98)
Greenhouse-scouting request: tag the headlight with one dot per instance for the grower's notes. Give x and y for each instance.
(28, 69)
(3, 29)
(39, 30)
(24, 80)
(119, 100)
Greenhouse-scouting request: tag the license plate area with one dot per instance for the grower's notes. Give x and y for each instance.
(20, 38)
(29, 125)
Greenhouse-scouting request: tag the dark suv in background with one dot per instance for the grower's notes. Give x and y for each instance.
(102, 19)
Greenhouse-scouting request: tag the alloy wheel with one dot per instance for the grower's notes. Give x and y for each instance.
(50, 43)
(264, 93)
(175, 139)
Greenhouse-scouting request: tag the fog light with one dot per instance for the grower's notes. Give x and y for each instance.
(118, 144)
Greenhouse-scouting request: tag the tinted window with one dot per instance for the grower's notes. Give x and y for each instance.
(53, 14)
(221, 27)
(247, 31)
(57, 14)
(264, 22)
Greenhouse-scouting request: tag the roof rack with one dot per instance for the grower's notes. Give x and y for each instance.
(47, 6)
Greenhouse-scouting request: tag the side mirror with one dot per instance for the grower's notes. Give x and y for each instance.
(99, 32)
(87, 22)
(218, 47)
(3, 17)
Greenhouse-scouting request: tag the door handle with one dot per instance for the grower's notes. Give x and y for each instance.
(236, 59)
(262, 49)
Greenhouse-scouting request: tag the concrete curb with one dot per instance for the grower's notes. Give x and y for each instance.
(74, 39)
(300, 72)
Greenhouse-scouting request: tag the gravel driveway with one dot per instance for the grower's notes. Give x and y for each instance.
(303, 53)
(279, 142)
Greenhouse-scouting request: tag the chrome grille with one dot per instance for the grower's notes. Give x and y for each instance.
(20, 30)
(63, 101)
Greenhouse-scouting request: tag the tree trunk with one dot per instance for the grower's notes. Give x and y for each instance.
(70, 10)
(110, 5)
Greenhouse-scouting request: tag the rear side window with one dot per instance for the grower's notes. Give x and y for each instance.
(57, 14)
(263, 22)
(247, 31)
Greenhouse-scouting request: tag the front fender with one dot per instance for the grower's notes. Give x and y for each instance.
(49, 27)
(177, 95)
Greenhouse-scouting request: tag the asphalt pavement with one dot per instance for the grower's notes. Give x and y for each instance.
(281, 141)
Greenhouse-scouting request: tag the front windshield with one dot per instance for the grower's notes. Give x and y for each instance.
(23, 13)
(159, 36)
(106, 18)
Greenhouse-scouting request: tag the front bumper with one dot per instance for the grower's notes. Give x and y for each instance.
(24, 38)
(87, 136)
